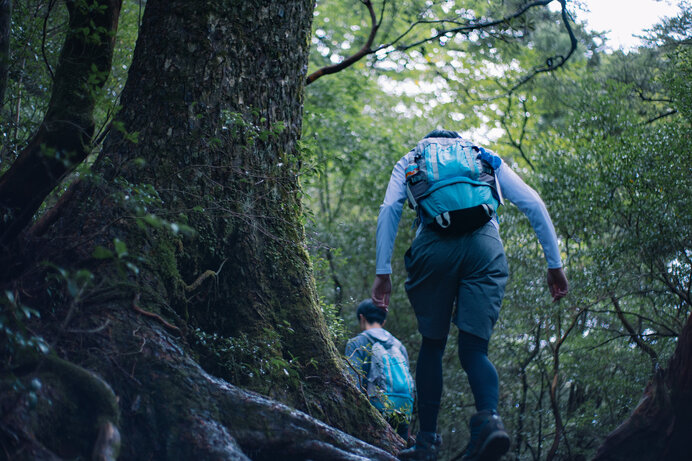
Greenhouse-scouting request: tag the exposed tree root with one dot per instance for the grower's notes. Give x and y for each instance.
(189, 414)
(107, 444)
(33, 422)
(139, 310)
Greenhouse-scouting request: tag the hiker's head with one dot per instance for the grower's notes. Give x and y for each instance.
(440, 133)
(370, 313)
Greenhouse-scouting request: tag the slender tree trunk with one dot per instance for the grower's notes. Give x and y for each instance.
(521, 413)
(5, 26)
(172, 323)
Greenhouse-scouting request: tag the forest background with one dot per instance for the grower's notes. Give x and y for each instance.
(603, 136)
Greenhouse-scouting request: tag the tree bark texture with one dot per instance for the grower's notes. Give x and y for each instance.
(173, 324)
(661, 426)
(151, 401)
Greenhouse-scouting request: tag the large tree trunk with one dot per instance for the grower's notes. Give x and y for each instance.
(660, 427)
(214, 100)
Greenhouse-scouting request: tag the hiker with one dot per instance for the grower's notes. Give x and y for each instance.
(457, 255)
(380, 366)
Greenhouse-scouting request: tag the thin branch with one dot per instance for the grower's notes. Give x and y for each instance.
(554, 385)
(634, 336)
(517, 144)
(662, 330)
(53, 213)
(364, 51)
(643, 97)
(465, 29)
(660, 116)
(554, 62)
(358, 373)
(338, 287)
(43, 39)
(673, 286)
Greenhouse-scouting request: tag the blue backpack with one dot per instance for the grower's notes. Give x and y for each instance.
(451, 184)
(390, 384)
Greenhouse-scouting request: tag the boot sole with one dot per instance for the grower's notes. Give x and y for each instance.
(495, 446)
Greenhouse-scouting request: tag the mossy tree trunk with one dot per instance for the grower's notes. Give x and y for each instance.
(177, 326)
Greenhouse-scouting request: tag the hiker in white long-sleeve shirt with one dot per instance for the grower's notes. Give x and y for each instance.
(457, 260)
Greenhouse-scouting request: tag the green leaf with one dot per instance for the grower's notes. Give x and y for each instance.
(120, 248)
(102, 253)
(153, 220)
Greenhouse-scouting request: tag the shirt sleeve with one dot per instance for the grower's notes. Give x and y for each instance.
(404, 352)
(357, 352)
(389, 217)
(529, 202)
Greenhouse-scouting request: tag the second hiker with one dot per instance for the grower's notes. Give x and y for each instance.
(381, 367)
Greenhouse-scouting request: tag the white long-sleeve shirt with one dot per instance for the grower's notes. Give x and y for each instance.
(513, 189)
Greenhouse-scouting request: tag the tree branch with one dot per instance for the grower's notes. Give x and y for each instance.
(49, 8)
(517, 144)
(338, 287)
(660, 116)
(464, 29)
(364, 51)
(634, 336)
(554, 387)
(554, 62)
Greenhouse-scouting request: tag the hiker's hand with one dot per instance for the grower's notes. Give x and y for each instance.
(381, 289)
(557, 283)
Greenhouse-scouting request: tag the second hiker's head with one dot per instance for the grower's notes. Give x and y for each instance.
(370, 312)
(442, 133)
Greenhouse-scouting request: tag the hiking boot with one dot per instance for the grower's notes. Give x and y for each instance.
(426, 448)
(489, 440)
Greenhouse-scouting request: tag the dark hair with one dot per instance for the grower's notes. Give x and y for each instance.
(440, 133)
(371, 312)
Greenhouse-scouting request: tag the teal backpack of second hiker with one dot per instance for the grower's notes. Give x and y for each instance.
(390, 384)
(451, 184)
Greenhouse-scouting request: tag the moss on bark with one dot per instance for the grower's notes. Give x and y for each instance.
(215, 92)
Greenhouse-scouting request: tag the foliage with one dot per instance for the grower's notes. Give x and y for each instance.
(14, 335)
(605, 140)
(254, 362)
(599, 139)
(38, 31)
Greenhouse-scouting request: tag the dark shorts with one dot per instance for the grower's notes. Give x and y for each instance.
(471, 268)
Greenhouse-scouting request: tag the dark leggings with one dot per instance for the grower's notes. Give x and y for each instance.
(473, 354)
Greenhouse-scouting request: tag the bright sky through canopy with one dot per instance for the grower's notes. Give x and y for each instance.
(623, 18)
